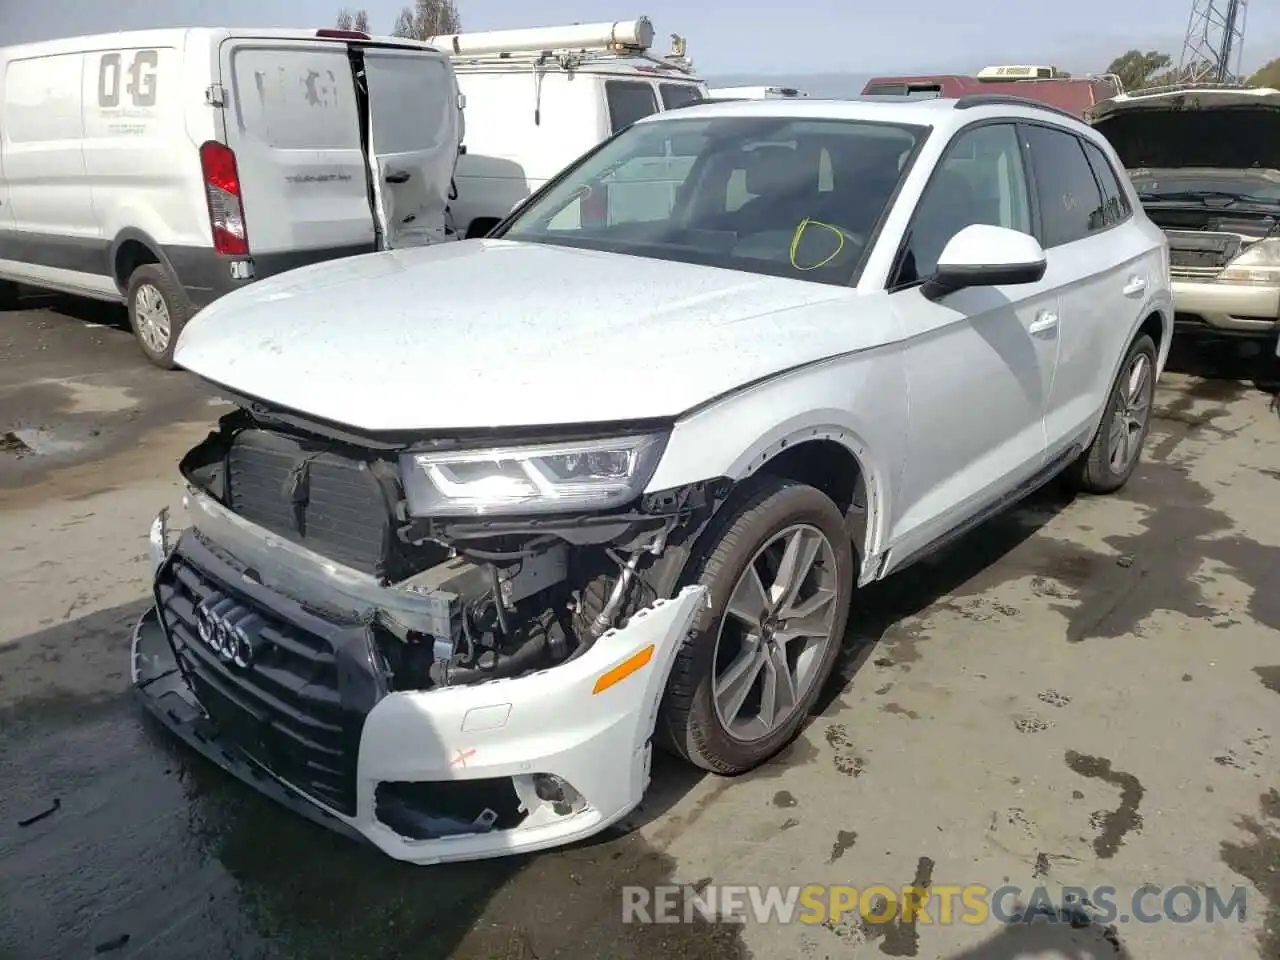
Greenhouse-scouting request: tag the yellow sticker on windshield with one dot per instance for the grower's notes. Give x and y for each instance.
(801, 227)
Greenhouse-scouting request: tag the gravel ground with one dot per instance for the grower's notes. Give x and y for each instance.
(1081, 693)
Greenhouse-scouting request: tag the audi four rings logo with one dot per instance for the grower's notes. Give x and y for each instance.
(222, 637)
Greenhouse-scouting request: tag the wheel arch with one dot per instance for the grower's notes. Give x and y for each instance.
(1154, 319)
(130, 249)
(822, 449)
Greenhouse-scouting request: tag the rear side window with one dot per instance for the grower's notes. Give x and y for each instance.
(1115, 208)
(1070, 204)
(628, 101)
(679, 95)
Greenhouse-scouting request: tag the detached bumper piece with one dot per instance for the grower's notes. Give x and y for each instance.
(290, 699)
(164, 693)
(291, 688)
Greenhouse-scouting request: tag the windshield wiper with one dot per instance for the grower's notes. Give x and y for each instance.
(1226, 197)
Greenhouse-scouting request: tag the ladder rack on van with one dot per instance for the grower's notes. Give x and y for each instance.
(568, 47)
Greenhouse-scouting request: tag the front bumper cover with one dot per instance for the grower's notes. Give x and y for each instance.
(1229, 307)
(556, 723)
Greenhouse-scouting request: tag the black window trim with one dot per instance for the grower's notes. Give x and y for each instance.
(1119, 184)
(924, 133)
(1033, 205)
(1080, 141)
(631, 82)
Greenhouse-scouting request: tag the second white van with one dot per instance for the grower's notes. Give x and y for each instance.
(538, 99)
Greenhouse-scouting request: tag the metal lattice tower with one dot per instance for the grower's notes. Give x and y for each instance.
(1215, 41)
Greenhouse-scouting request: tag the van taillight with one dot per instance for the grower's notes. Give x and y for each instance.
(222, 190)
(594, 211)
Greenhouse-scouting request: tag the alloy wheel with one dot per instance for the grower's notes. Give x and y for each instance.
(1129, 422)
(775, 633)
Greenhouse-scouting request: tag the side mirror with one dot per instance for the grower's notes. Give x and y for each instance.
(981, 255)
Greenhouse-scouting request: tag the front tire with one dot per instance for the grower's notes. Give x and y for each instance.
(779, 567)
(8, 295)
(158, 310)
(1111, 458)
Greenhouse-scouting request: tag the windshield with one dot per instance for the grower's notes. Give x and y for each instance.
(1207, 189)
(772, 195)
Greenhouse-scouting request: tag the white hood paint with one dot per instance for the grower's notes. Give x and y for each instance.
(489, 333)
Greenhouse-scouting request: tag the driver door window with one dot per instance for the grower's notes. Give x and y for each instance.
(980, 180)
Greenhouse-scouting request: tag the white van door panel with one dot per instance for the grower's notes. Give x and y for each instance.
(141, 163)
(293, 122)
(49, 198)
(414, 130)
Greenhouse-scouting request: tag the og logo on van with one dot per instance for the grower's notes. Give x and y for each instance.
(139, 79)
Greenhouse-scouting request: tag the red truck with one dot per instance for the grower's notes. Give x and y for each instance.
(1045, 84)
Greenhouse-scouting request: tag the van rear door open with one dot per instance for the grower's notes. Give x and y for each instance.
(414, 131)
(293, 121)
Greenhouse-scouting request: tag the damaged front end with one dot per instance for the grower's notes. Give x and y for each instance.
(450, 653)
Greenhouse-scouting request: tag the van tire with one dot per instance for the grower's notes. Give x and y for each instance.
(158, 310)
(8, 295)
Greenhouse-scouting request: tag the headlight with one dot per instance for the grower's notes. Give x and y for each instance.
(591, 475)
(1259, 264)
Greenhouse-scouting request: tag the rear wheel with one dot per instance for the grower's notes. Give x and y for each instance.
(779, 567)
(1110, 460)
(158, 310)
(8, 295)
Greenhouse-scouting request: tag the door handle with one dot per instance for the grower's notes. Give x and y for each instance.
(1045, 321)
(1135, 286)
(400, 176)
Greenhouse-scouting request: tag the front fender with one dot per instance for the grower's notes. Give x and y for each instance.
(858, 401)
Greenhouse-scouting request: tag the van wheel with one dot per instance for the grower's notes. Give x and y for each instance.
(8, 295)
(158, 310)
(779, 569)
(1111, 458)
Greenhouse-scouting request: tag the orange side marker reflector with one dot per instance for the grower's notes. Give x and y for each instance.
(623, 670)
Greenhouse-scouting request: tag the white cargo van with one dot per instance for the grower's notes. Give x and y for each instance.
(538, 99)
(164, 168)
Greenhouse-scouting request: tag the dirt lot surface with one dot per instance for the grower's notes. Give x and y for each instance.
(1079, 694)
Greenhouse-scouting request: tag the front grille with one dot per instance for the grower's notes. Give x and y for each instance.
(334, 505)
(1200, 254)
(287, 709)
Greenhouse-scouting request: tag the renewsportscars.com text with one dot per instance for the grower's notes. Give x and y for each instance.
(971, 904)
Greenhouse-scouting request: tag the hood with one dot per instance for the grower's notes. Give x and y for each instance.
(482, 334)
(1232, 128)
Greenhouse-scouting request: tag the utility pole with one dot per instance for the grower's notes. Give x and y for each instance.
(1212, 49)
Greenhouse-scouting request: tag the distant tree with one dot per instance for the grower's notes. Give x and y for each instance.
(428, 18)
(1137, 69)
(1198, 72)
(359, 20)
(1267, 76)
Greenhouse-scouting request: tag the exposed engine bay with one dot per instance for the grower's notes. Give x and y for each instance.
(453, 601)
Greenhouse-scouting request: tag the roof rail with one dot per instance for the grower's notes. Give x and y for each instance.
(970, 100)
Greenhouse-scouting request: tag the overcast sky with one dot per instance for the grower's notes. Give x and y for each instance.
(739, 36)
